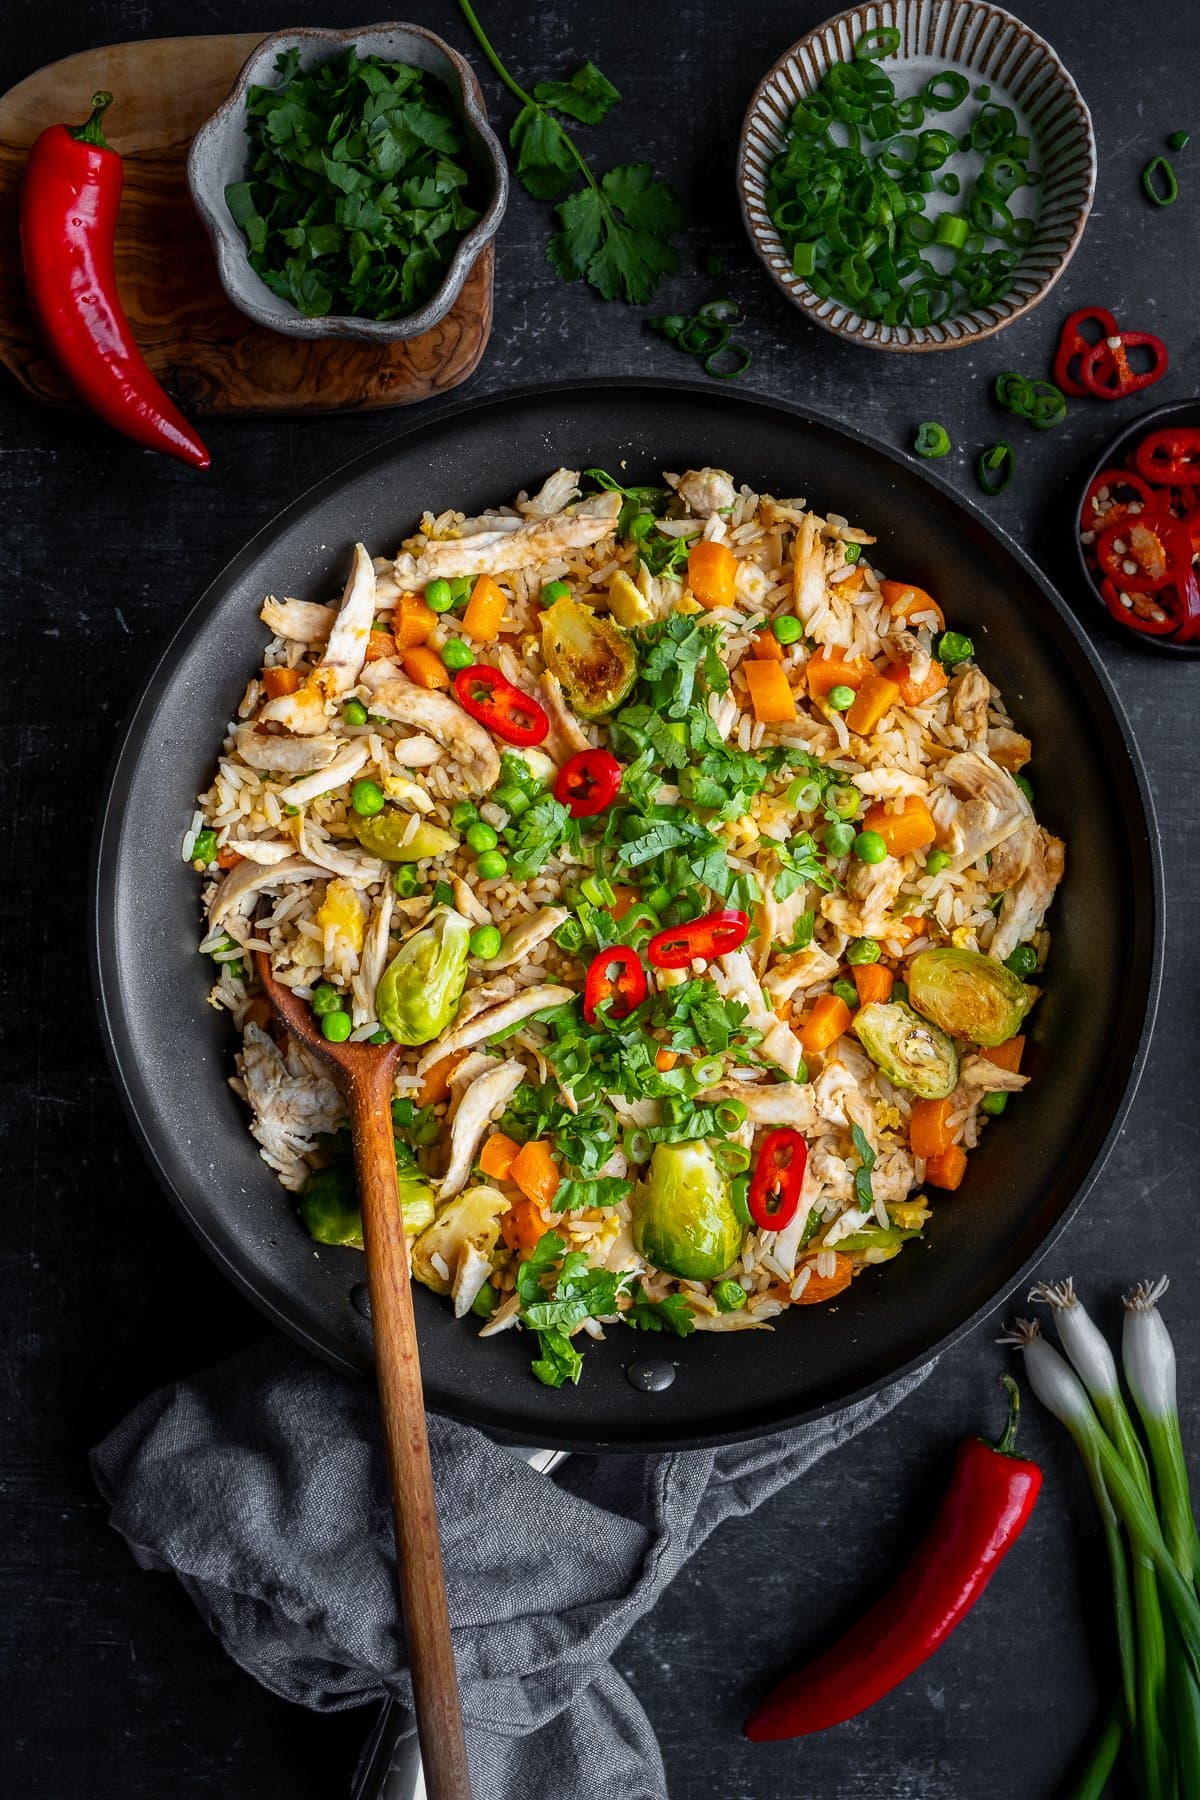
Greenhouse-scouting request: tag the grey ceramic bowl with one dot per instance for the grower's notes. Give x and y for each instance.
(989, 47)
(219, 156)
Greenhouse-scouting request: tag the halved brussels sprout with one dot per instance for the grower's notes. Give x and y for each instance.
(384, 836)
(683, 1217)
(593, 658)
(969, 995)
(912, 1053)
(874, 1244)
(329, 1204)
(472, 1219)
(419, 991)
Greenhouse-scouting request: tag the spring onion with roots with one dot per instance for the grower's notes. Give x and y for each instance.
(1159, 1632)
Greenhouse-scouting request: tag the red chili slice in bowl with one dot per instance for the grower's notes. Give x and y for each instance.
(1147, 551)
(1170, 457)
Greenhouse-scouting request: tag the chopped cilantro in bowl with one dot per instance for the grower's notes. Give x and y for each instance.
(350, 183)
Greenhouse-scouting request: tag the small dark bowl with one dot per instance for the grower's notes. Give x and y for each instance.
(1179, 412)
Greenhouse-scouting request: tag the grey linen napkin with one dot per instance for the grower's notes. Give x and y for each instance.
(261, 1485)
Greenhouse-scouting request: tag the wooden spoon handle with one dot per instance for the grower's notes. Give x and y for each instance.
(419, 1553)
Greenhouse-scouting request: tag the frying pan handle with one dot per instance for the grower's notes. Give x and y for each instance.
(390, 1765)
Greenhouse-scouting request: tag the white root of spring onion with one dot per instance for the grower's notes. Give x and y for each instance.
(1089, 1354)
(1052, 1378)
(1148, 1353)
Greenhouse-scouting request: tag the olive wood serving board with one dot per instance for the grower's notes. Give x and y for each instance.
(209, 356)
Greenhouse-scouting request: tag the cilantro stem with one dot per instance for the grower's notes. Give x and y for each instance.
(514, 87)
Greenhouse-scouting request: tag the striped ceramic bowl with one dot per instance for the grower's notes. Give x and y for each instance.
(990, 48)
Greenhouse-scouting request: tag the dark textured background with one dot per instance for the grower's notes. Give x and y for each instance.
(113, 1687)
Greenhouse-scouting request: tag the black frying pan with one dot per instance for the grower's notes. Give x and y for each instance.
(172, 1054)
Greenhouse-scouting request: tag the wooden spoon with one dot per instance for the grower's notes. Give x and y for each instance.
(366, 1072)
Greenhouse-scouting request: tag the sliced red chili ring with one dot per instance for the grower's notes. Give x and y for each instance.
(1096, 514)
(777, 1180)
(1105, 369)
(486, 694)
(1152, 550)
(1142, 612)
(1170, 457)
(588, 782)
(713, 935)
(1072, 345)
(615, 975)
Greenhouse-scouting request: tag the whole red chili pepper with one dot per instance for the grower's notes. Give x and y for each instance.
(991, 1495)
(777, 1180)
(69, 207)
(713, 935)
(615, 975)
(1072, 344)
(1170, 457)
(1105, 370)
(588, 782)
(504, 709)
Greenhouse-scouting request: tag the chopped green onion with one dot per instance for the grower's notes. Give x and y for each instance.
(995, 467)
(1178, 140)
(1158, 179)
(951, 230)
(729, 372)
(946, 91)
(883, 41)
(851, 552)
(932, 440)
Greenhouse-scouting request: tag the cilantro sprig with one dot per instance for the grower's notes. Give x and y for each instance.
(614, 232)
(862, 1175)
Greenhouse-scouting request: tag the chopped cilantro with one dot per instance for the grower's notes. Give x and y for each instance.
(672, 1313)
(443, 894)
(802, 935)
(862, 1175)
(799, 862)
(557, 1292)
(615, 232)
(606, 1190)
(533, 838)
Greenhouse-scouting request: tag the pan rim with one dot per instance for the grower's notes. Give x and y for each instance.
(271, 1297)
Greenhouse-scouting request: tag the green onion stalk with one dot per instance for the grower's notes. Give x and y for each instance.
(1144, 1659)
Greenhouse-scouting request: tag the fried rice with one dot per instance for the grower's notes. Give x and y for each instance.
(339, 725)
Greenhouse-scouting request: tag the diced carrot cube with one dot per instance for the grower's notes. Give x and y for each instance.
(825, 1287)
(498, 1156)
(380, 644)
(413, 622)
(770, 694)
(1007, 1056)
(829, 1018)
(911, 829)
(929, 1132)
(279, 682)
(874, 983)
(523, 1224)
(623, 899)
(435, 1084)
(425, 667)
(712, 573)
(766, 647)
(916, 693)
(830, 668)
(904, 601)
(874, 698)
(948, 1169)
(485, 611)
(535, 1172)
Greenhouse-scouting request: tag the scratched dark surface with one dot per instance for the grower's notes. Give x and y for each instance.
(112, 1686)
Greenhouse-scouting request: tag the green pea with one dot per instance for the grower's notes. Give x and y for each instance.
(1025, 786)
(787, 629)
(936, 861)
(204, 849)
(952, 647)
(843, 802)
(460, 591)
(325, 999)
(481, 836)
(405, 880)
(486, 1301)
(380, 1037)
(367, 798)
(438, 596)
(863, 950)
(555, 590)
(456, 654)
(900, 991)
(838, 839)
(336, 1027)
(730, 1296)
(354, 712)
(869, 847)
(491, 866)
(846, 990)
(840, 698)
(464, 814)
(993, 1105)
(485, 942)
(1023, 960)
